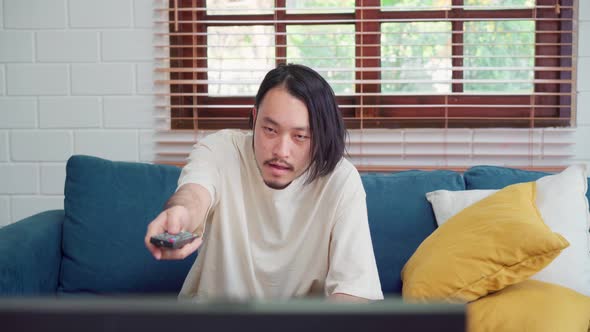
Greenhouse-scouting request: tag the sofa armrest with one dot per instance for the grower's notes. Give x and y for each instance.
(30, 254)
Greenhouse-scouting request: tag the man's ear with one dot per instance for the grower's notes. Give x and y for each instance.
(253, 118)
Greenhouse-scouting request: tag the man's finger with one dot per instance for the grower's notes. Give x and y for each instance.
(188, 249)
(157, 226)
(174, 225)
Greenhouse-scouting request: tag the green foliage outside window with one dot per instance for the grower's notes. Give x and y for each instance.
(417, 54)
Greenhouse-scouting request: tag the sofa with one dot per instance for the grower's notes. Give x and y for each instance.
(95, 244)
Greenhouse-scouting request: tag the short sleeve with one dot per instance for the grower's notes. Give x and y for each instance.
(352, 269)
(203, 165)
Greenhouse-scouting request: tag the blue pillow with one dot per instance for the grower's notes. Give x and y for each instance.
(108, 206)
(497, 177)
(400, 217)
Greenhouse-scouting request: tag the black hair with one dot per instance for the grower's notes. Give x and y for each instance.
(328, 133)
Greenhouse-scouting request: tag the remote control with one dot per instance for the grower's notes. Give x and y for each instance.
(173, 241)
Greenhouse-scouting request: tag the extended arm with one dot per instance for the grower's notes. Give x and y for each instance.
(186, 210)
(196, 200)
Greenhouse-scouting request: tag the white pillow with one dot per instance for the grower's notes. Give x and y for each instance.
(561, 200)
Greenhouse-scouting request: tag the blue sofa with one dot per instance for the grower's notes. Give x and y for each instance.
(95, 245)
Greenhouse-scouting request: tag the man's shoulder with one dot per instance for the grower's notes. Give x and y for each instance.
(344, 166)
(344, 172)
(226, 137)
(230, 134)
(343, 183)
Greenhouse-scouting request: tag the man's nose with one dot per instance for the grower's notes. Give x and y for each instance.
(281, 147)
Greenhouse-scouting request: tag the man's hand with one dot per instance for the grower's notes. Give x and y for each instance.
(172, 220)
(185, 211)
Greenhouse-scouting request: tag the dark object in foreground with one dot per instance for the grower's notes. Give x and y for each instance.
(162, 314)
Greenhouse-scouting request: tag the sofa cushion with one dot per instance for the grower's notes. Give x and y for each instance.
(496, 242)
(497, 177)
(31, 255)
(108, 206)
(564, 208)
(400, 217)
(530, 306)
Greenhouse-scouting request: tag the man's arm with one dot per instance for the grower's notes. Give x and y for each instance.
(196, 200)
(352, 272)
(186, 210)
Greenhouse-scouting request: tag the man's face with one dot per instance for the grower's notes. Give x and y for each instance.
(282, 138)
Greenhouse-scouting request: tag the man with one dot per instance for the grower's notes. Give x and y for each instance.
(283, 213)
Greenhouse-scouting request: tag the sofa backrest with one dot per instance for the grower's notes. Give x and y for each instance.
(400, 217)
(108, 206)
(495, 177)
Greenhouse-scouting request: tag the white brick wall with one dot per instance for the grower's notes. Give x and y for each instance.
(35, 14)
(75, 78)
(32, 145)
(24, 206)
(22, 178)
(102, 79)
(76, 75)
(115, 144)
(145, 78)
(2, 84)
(70, 112)
(584, 11)
(128, 112)
(1, 14)
(16, 46)
(143, 13)
(583, 149)
(36, 79)
(52, 179)
(4, 211)
(101, 14)
(3, 145)
(18, 113)
(583, 68)
(584, 48)
(127, 45)
(583, 117)
(67, 46)
(146, 145)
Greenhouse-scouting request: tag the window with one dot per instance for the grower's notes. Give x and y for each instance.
(392, 63)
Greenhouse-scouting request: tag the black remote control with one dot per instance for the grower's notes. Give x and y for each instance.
(173, 241)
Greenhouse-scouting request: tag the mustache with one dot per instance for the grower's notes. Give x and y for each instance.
(279, 162)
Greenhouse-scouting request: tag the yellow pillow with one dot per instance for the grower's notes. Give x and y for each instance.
(494, 243)
(530, 306)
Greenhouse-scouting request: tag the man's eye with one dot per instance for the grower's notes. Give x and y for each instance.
(268, 129)
(301, 137)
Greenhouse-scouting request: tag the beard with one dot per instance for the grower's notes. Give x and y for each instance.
(275, 185)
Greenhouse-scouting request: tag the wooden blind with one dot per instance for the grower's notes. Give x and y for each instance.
(394, 64)
(446, 65)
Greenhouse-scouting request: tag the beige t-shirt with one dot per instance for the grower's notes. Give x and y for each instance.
(271, 244)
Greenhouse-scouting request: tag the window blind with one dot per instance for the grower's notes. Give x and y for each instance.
(409, 66)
